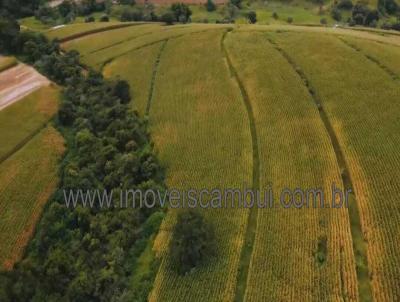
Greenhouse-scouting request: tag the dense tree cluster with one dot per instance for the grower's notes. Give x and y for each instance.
(87, 254)
(68, 10)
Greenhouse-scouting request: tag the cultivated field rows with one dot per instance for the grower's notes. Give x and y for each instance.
(21, 198)
(142, 62)
(361, 101)
(201, 130)
(22, 120)
(278, 95)
(99, 49)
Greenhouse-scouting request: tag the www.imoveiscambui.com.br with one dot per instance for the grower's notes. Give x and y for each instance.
(209, 198)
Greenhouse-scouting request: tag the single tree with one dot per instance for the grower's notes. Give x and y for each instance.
(193, 241)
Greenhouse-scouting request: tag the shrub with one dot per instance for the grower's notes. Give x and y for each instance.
(323, 21)
(372, 18)
(290, 20)
(252, 16)
(89, 19)
(210, 6)
(193, 241)
(168, 18)
(181, 12)
(121, 91)
(104, 18)
(275, 15)
(336, 14)
(345, 4)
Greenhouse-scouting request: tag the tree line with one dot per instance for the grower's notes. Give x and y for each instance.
(89, 254)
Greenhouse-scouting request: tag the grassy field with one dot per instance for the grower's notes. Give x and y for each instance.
(202, 133)
(27, 180)
(361, 101)
(24, 118)
(7, 62)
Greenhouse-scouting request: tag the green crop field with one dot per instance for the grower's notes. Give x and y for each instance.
(20, 121)
(302, 143)
(246, 107)
(276, 106)
(193, 120)
(21, 198)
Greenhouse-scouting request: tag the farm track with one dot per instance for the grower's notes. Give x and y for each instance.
(385, 68)
(247, 248)
(359, 247)
(153, 77)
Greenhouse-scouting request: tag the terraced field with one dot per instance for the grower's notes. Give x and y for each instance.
(272, 107)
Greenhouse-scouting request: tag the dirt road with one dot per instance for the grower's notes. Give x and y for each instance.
(17, 82)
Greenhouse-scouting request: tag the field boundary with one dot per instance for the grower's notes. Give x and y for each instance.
(247, 249)
(382, 66)
(23, 142)
(153, 76)
(97, 30)
(359, 247)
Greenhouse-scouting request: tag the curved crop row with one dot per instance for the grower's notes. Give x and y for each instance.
(299, 254)
(200, 127)
(361, 102)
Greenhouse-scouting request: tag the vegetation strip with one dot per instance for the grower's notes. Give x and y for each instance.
(153, 77)
(390, 72)
(95, 31)
(359, 246)
(250, 234)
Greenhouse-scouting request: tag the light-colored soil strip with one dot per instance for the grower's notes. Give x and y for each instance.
(18, 82)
